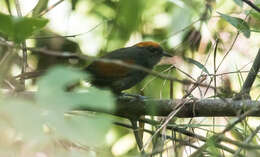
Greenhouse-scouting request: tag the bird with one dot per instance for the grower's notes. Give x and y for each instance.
(117, 77)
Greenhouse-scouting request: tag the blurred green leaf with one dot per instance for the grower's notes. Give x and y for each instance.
(7, 2)
(239, 2)
(73, 4)
(254, 21)
(198, 64)
(215, 152)
(255, 15)
(239, 23)
(74, 153)
(24, 116)
(20, 28)
(127, 21)
(78, 127)
(52, 108)
(41, 5)
(238, 134)
(56, 81)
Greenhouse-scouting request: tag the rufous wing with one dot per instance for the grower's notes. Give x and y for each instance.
(104, 70)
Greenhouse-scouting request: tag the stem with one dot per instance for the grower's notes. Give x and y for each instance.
(23, 45)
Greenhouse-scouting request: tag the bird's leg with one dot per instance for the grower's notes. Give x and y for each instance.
(139, 141)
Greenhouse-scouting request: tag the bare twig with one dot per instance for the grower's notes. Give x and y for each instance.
(23, 45)
(247, 140)
(244, 92)
(118, 62)
(152, 132)
(233, 43)
(252, 5)
(215, 70)
(188, 75)
(182, 130)
(217, 138)
(174, 33)
(50, 8)
(176, 109)
(70, 36)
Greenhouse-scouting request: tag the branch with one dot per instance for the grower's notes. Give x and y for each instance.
(252, 5)
(244, 92)
(247, 140)
(118, 62)
(129, 107)
(181, 141)
(50, 8)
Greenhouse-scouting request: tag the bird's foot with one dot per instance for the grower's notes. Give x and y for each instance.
(136, 96)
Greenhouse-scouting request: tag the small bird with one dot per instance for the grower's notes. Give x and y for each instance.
(117, 77)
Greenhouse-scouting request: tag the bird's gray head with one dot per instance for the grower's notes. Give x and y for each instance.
(154, 50)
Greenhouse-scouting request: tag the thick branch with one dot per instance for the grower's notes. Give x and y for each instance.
(132, 107)
(127, 107)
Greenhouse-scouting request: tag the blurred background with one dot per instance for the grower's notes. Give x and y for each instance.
(187, 29)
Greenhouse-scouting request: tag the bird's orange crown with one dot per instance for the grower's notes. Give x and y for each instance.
(147, 43)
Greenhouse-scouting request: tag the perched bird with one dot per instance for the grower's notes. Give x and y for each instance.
(118, 77)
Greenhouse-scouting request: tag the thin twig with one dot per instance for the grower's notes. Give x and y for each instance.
(250, 78)
(70, 36)
(188, 75)
(247, 140)
(201, 138)
(233, 43)
(214, 77)
(152, 132)
(215, 70)
(176, 109)
(252, 5)
(50, 8)
(218, 137)
(118, 62)
(177, 32)
(23, 45)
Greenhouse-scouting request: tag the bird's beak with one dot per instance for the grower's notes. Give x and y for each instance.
(166, 54)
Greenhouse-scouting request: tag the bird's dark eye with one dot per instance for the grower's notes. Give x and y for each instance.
(153, 49)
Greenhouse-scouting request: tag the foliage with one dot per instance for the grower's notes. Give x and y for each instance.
(20, 28)
(240, 24)
(49, 115)
(49, 123)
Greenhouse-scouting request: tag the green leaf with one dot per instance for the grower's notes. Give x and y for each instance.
(73, 4)
(56, 81)
(198, 64)
(41, 5)
(20, 28)
(239, 23)
(24, 116)
(239, 2)
(79, 127)
(255, 14)
(212, 142)
(52, 107)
